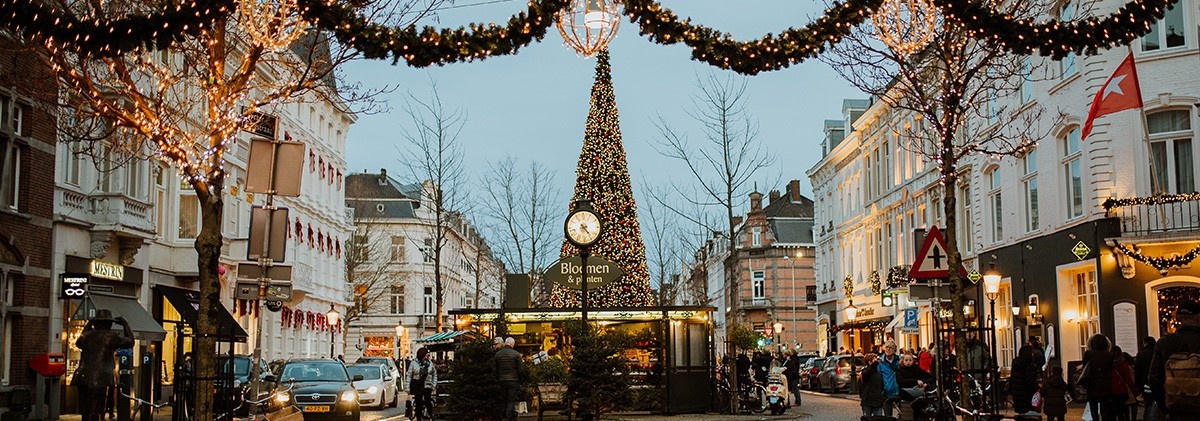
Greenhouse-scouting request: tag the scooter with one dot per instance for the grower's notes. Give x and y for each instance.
(777, 390)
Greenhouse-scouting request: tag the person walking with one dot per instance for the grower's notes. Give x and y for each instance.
(1054, 394)
(791, 372)
(1141, 370)
(1039, 352)
(509, 367)
(910, 378)
(1023, 381)
(98, 345)
(422, 381)
(1122, 386)
(889, 362)
(1097, 375)
(870, 390)
(1185, 339)
(925, 359)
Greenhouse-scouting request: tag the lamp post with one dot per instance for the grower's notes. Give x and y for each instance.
(851, 313)
(778, 334)
(332, 317)
(991, 287)
(795, 294)
(399, 337)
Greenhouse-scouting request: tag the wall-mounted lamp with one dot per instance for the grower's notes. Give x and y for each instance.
(1034, 316)
(1070, 316)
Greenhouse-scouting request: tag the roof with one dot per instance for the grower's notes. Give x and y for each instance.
(379, 186)
(792, 231)
(790, 207)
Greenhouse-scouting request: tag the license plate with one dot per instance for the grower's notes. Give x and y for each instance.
(774, 399)
(316, 408)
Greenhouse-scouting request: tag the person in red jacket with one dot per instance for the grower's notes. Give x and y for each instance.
(925, 360)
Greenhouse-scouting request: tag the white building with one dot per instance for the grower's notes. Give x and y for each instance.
(395, 221)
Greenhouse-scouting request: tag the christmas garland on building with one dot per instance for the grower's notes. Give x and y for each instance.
(103, 36)
(898, 277)
(1160, 263)
(768, 53)
(848, 286)
(1055, 38)
(873, 280)
(428, 45)
(1112, 203)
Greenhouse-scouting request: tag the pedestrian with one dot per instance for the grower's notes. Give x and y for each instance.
(910, 378)
(509, 373)
(422, 375)
(1176, 402)
(1054, 395)
(870, 390)
(1122, 386)
(791, 372)
(94, 378)
(1023, 380)
(762, 366)
(925, 359)
(743, 369)
(1097, 375)
(1141, 370)
(889, 362)
(1039, 352)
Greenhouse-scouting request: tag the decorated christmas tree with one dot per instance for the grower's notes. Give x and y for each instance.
(603, 177)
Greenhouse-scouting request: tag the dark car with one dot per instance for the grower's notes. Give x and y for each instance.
(321, 389)
(233, 380)
(809, 371)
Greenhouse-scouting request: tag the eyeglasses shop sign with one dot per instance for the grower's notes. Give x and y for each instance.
(73, 286)
(568, 272)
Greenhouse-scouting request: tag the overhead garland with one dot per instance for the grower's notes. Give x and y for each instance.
(428, 45)
(1055, 38)
(751, 57)
(1160, 263)
(1112, 203)
(100, 36)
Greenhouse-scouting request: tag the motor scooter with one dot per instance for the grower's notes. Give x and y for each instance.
(777, 390)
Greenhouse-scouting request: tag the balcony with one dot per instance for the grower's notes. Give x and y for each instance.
(1156, 216)
(756, 303)
(107, 212)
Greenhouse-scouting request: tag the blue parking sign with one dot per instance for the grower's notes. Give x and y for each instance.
(910, 318)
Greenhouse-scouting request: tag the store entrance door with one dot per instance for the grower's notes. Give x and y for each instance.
(689, 374)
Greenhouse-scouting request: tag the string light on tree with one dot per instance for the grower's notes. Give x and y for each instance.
(906, 26)
(587, 26)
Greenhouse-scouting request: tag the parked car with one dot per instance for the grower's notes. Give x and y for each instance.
(809, 371)
(387, 362)
(232, 395)
(321, 389)
(835, 373)
(377, 388)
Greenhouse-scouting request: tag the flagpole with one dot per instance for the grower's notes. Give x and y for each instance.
(1137, 87)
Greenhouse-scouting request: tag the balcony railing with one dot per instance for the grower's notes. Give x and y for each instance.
(1156, 215)
(756, 303)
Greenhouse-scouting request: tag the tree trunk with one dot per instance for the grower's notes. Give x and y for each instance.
(437, 287)
(208, 250)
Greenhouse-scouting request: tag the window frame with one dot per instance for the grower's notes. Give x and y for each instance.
(396, 294)
(1159, 31)
(1068, 66)
(1030, 182)
(1072, 162)
(996, 202)
(1170, 140)
(758, 284)
(11, 159)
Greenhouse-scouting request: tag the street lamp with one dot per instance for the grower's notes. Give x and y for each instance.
(399, 338)
(778, 332)
(795, 294)
(851, 313)
(332, 317)
(991, 287)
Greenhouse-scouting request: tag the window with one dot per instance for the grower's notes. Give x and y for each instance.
(6, 295)
(1066, 66)
(1171, 152)
(189, 216)
(160, 195)
(12, 115)
(1027, 80)
(397, 299)
(964, 222)
(756, 237)
(10, 172)
(72, 163)
(427, 251)
(135, 180)
(1167, 32)
(1004, 327)
(997, 209)
(428, 300)
(1031, 191)
(107, 170)
(1073, 168)
(397, 250)
(1087, 307)
(758, 283)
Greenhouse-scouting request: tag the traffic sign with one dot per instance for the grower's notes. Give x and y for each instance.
(911, 323)
(933, 260)
(974, 276)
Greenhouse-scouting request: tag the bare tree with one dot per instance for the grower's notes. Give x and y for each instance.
(955, 85)
(520, 208)
(187, 104)
(667, 245)
(369, 254)
(435, 155)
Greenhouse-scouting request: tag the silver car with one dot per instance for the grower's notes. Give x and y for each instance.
(835, 374)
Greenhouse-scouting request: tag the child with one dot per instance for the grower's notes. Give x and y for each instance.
(1054, 394)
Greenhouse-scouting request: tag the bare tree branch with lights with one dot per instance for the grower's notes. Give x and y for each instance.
(520, 206)
(435, 155)
(187, 106)
(956, 88)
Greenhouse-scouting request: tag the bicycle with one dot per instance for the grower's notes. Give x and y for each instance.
(751, 397)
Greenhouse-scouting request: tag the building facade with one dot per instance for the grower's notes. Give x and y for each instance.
(394, 271)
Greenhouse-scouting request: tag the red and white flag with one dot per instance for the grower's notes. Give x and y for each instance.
(1120, 92)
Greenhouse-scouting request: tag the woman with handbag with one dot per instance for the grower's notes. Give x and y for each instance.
(422, 381)
(1097, 376)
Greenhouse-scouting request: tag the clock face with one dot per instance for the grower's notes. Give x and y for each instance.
(583, 228)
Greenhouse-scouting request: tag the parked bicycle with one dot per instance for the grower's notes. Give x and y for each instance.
(751, 397)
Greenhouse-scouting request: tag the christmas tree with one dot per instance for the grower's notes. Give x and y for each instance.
(603, 177)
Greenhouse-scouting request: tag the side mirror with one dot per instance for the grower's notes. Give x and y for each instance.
(356, 377)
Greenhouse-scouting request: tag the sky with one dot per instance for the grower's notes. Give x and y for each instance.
(533, 105)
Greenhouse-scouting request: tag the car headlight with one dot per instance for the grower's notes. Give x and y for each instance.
(283, 397)
(349, 396)
(373, 390)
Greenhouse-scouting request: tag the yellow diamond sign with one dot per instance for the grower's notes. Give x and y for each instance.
(1081, 250)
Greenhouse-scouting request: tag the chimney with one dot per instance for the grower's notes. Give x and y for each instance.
(793, 190)
(737, 220)
(755, 201)
(383, 176)
(772, 196)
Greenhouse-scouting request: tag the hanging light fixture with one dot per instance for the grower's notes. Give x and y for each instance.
(587, 26)
(274, 24)
(906, 26)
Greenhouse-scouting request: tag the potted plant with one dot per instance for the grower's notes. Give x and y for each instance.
(551, 378)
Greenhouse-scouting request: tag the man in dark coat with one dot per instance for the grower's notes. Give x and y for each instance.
(508, 375)
(870, 388)
(1141, 363)
(791, 370)
(1185, 339)
(94, 377)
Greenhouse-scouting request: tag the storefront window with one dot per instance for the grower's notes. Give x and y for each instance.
(1086, 308)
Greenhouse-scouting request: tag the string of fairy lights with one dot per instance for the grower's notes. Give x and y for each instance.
(1157, 262)
(603, 176)
(425, 46)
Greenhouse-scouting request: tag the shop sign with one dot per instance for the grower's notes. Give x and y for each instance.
(568, 272)
(1081, 250)
(106, 270)
(73, 286)
(865, 311)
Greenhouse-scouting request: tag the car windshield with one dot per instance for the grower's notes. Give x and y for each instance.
(321, 371)
(372, 361)
(241, 366)
(369, 372)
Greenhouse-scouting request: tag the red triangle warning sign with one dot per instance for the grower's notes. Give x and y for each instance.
(933, 261)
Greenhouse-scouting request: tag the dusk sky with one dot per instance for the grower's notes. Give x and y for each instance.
(533, 105)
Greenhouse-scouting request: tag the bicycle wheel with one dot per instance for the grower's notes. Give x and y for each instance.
(758, 399)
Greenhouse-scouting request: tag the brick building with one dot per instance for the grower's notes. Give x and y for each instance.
(27, 145)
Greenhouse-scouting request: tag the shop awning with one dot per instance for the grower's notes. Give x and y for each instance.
(441, 337)
(876, 323)
(140, 321)
(187, 303)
